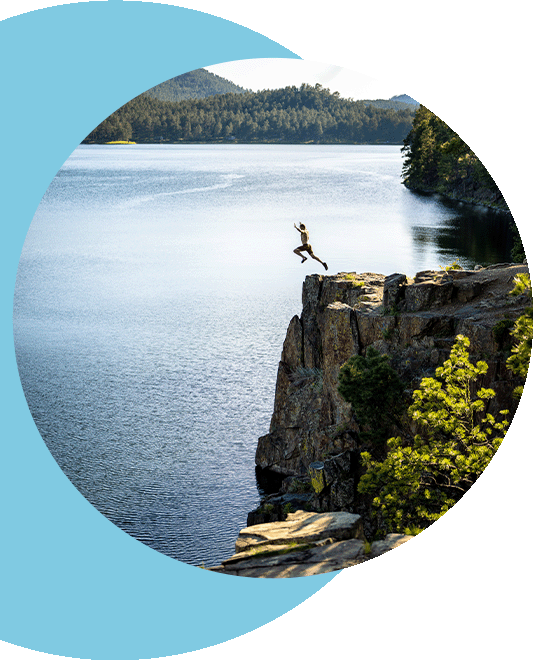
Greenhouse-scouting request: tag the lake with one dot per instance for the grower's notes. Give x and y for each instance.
(153, 294)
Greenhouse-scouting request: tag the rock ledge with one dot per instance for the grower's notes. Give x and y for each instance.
(305, 544)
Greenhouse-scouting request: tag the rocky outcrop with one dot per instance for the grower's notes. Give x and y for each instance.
(313, 436)
(313, 441)
(304, 544)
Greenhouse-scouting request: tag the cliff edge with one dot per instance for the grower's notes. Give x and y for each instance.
(314, 443)
(415, 321)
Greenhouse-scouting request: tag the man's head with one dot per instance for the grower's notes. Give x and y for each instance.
(302, 226)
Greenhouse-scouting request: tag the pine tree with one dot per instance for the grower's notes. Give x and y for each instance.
(421, 479)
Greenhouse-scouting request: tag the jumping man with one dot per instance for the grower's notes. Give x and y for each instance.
(305, 237)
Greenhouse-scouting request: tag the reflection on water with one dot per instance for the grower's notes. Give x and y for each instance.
(472, 234)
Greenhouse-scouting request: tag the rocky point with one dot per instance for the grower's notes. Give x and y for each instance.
(312, 444)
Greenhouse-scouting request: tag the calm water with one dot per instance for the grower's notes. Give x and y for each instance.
(153, 295)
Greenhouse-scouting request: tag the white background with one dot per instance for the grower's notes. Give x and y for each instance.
(462, 589)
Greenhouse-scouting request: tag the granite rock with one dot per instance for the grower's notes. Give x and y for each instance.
(305, 544)
(345, 314)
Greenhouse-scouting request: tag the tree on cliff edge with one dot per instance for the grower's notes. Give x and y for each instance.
(420, 480)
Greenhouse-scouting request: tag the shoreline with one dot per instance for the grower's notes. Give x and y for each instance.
(255, 142)
(460, 200)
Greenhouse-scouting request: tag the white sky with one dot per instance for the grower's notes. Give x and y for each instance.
(276, 73)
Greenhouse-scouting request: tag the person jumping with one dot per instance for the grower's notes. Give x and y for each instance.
(305, 237)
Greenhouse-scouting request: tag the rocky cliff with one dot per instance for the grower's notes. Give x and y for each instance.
(313, 435)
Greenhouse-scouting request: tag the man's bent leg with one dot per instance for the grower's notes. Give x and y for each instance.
(298, 252)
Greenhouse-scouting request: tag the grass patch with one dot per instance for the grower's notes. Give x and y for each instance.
(352, 278)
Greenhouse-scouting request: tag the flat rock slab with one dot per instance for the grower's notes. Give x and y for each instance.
(319, 559)
(390, 542)
(299, 528)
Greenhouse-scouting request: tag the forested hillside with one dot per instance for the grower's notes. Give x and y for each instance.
(438, 160)
(197, 84)
(292, 114)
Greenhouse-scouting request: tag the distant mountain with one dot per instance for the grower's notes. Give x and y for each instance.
(400, 102)
(197, 84)
(404, 98)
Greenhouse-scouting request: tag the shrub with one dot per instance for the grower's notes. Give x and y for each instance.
(421, 479)
(375, 392)
(501, 333)
(455, 266)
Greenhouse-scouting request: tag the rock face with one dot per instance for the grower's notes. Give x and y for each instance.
(313, 435)
(304, 544)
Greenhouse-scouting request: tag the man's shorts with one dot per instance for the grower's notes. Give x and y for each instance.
(307, 247)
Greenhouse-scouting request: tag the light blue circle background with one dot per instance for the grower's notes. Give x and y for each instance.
(72, 583)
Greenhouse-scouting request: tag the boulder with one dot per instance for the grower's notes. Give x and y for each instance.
(394, 290)
(428, 294)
